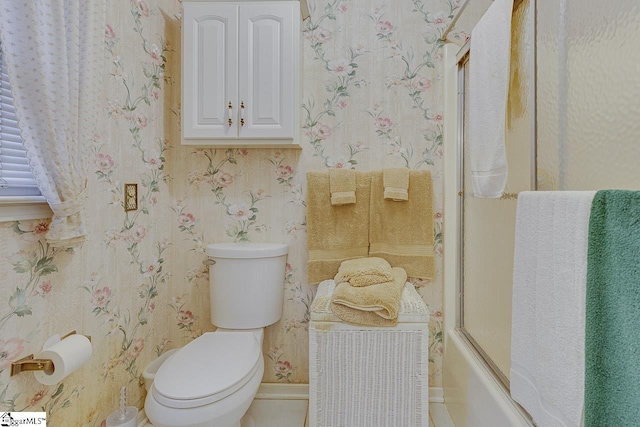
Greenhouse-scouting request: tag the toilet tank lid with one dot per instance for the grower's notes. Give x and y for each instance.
(246, 250)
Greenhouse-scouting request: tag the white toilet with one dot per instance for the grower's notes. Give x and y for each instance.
(212, 380)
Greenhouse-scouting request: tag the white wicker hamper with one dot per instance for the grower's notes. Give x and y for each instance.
(363, 376)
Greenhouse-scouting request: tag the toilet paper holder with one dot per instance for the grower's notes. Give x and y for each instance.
(28, 363)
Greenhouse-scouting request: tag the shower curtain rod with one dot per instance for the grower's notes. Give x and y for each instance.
(463, 6)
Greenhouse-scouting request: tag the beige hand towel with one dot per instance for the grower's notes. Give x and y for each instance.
(364, 271)
(335, 233)
(342, 184)
(375, 305)
(396, 184)
(402, 233)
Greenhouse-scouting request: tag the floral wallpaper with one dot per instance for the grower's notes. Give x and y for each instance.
(372, 98)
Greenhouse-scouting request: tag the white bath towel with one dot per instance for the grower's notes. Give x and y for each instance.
(548, 311)
(488, 90)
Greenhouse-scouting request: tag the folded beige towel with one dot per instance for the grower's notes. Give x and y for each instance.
(364, 271)
(342, 184)
(335, 233)
(402, 233)
(375, 305)
(396, 184)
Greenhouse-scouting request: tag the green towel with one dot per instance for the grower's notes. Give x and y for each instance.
(612, 333)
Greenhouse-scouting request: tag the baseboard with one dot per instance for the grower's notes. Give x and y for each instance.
(278, 391)
(436, 395)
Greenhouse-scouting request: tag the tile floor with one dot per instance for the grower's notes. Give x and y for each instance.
(439, 416)
(276, 413)
(293, 413)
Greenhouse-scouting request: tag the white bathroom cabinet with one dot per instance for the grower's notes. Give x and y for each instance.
(240, 73)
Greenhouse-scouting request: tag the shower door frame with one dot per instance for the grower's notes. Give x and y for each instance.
(462, 58)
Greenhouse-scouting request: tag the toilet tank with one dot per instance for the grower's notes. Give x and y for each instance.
(246, 284)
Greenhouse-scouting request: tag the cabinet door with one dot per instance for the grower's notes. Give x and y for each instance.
(267, 68)
(209, 70)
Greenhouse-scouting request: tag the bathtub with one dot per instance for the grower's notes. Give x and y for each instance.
(472, 394)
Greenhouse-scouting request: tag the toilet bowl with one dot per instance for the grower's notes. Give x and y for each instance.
(150, 371)
(209, 382)
(212, 381)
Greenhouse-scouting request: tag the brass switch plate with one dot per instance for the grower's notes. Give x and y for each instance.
(130, 197)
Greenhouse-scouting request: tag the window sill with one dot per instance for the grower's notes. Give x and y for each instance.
(23, 208)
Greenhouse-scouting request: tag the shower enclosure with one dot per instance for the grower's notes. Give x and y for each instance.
(573, 123)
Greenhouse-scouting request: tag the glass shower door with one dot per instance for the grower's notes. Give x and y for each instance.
(489, 224)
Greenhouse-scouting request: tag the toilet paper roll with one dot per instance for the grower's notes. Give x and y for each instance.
(67, 356)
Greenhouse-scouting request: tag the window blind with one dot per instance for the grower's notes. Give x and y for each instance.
(16, 178)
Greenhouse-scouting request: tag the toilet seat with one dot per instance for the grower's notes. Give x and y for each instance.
(208, 369)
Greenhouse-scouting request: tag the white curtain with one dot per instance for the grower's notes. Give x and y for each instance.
(54, 51)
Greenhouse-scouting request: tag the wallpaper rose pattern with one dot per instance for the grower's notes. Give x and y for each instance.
(371, 98)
